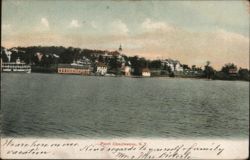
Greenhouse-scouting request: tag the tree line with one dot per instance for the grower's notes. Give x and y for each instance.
(53, 55)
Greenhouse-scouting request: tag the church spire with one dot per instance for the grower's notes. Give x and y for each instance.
(120, 48)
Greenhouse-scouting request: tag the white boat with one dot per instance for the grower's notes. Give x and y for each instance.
(17, 66)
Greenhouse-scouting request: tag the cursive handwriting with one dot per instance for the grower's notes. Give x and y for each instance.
(113, 149)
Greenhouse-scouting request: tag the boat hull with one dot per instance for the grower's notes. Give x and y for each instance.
(17, 70)
(15, 67)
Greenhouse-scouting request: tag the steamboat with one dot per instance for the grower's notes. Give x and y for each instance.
(17, 66)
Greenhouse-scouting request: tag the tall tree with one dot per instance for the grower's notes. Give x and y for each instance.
(244, 74)
(3, 55)
(155, 64)
(208, 70)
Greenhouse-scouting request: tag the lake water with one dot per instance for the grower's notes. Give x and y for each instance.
(53, 105)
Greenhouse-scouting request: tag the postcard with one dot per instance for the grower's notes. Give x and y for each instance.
(124, 79)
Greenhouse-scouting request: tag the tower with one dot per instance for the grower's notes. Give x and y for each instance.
(120, 48)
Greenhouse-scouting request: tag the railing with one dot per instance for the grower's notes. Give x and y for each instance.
(14, 66)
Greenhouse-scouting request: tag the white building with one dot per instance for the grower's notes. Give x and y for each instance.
(101, 68)
(127, 71)
(146, 72)
(173, 64)
(178, 67)
(39, 56)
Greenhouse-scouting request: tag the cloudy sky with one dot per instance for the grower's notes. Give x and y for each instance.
(190, 31)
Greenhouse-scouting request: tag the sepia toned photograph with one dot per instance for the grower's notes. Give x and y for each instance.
(124, 79)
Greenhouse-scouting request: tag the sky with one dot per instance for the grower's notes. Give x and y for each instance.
(192, 32)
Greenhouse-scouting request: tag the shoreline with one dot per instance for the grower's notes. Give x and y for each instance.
(158, 77)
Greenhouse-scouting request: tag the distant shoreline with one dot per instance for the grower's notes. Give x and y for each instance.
(135, 77)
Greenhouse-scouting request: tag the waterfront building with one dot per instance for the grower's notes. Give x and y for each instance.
(101, 68)
(73, 68)
(175, 65)
(146, 72)
(126, 70)
(232, 72)
(39, 56)
(178, 66)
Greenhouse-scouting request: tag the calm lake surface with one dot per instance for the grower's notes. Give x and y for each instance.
(53, 105)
